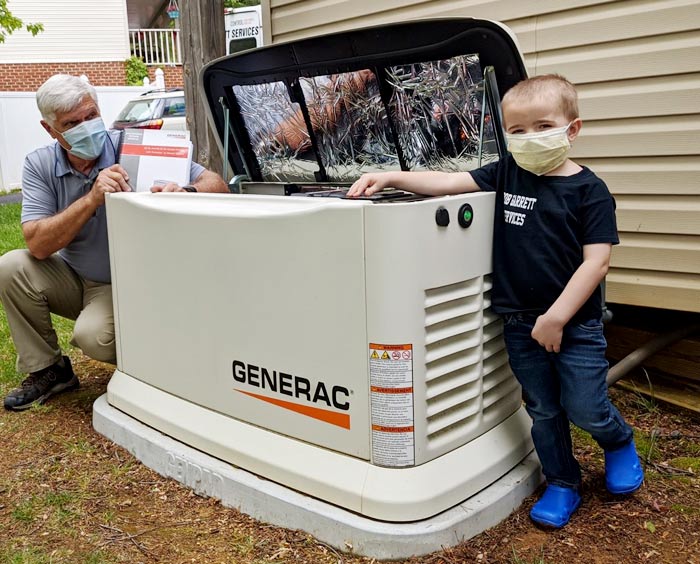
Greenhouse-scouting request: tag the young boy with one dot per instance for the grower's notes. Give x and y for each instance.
(553, 234)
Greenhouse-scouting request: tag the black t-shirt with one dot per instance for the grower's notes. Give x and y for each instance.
(541, 225)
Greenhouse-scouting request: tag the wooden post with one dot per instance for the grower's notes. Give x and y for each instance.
(202, 37)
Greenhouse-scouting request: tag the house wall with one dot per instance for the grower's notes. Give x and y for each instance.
(78, 38)
(74, 31)
(636, 64)
(94, 44)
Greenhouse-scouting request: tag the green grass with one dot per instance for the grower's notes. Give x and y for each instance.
(646, 446)
(517, 559)
(693, 448)
(685, 509)
(25, 511)
(30, 508)
(78, 446)
(37, 556)
(646, 401)
(11, 238)
(55, 509)
(24, 556)
(581, 437)
(691, 464)
(10, 231)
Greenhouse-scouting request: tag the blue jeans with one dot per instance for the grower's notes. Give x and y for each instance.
(562, 387)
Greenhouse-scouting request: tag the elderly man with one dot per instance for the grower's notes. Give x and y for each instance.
(65, 268)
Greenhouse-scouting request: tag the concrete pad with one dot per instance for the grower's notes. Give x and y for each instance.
(273, 503)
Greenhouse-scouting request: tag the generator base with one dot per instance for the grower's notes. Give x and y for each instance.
(272, 503)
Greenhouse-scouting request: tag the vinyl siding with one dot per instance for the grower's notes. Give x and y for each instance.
(636, 65)
(74, 31)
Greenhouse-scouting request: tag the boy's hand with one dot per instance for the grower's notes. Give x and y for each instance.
(369, 184)
(548, 333)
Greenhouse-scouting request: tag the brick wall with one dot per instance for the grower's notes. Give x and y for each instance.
(171, 74)
(27, 77)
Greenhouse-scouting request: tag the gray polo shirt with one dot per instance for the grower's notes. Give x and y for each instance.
(50, 185)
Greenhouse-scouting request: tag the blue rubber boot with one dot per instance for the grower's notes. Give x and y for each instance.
(555, 507)
(623, 471)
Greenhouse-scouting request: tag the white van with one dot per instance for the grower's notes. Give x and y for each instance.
(243, 28)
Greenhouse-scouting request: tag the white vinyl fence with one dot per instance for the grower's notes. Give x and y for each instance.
(21, 132)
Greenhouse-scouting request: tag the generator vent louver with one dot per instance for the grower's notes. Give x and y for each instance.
(467, 373)
(453, 355)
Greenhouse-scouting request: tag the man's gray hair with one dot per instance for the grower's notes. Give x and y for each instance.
(62, 93)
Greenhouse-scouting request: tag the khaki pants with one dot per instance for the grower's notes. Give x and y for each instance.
(31, 289)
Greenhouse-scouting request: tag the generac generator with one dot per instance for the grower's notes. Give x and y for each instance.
(344, 348)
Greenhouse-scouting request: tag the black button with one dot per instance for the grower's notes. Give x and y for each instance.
(442, 217)
(466, 215)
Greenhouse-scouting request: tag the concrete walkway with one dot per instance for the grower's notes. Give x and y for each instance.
(11, 198)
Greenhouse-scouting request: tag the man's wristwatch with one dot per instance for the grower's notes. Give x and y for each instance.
(189, 188)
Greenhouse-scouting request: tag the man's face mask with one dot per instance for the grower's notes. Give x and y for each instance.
(540, 152)
(87, 139)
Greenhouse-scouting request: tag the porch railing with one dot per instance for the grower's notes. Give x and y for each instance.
(156, 46)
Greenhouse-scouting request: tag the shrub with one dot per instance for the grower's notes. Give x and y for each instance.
(136, 71)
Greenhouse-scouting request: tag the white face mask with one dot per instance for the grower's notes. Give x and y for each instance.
(540, 152)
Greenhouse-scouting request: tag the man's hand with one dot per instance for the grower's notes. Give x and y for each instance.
(369, 184)
(548, 333)
(207, 181)
(112, 179)
(169, 187)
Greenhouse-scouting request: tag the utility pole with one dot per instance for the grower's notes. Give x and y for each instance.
(202, 40)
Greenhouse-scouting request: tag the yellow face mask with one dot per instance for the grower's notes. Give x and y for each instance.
(540, 152)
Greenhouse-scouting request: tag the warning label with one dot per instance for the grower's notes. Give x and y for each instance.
(391, 397)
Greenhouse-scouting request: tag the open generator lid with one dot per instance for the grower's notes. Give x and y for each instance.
(420, 95)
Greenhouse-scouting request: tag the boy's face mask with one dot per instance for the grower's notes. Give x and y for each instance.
(87, 139)
(540, 152)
